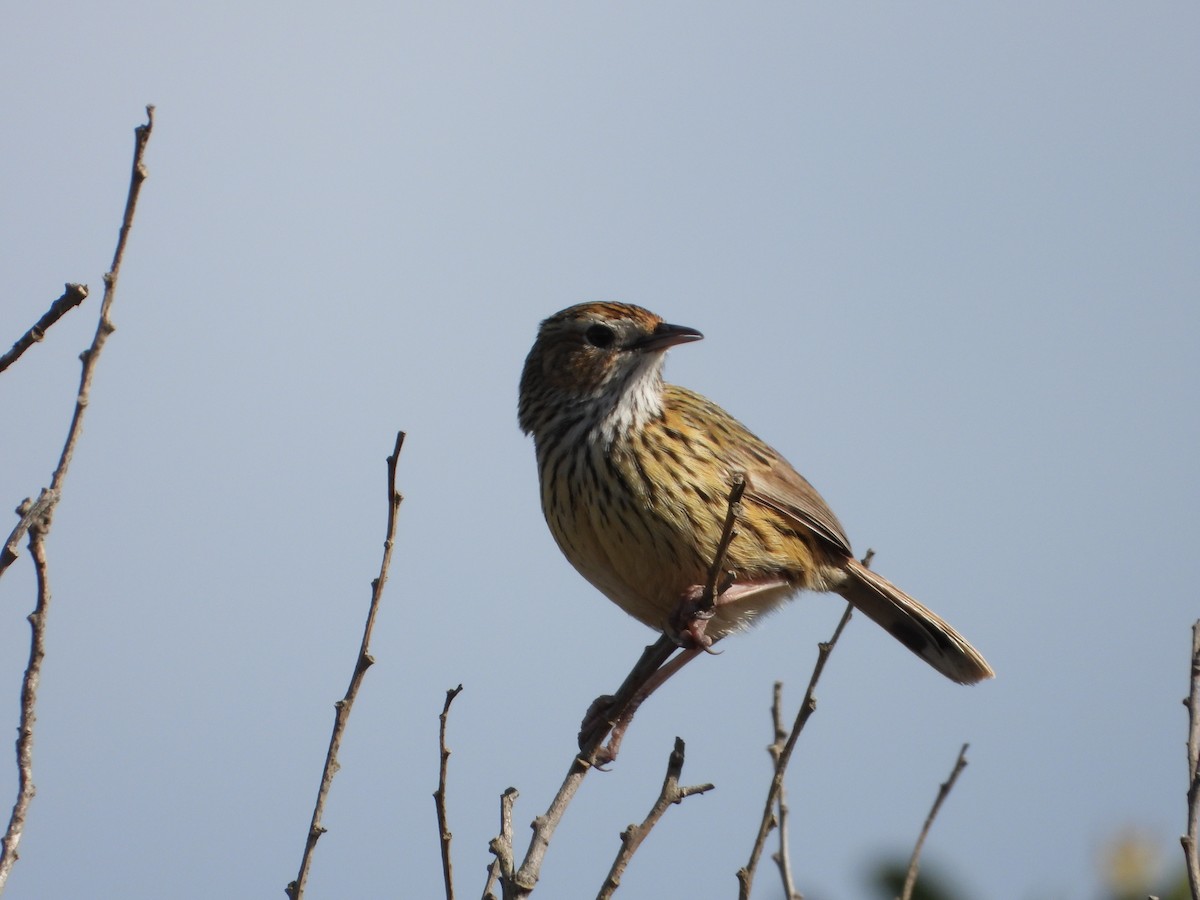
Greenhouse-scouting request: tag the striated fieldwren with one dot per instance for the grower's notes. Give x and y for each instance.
(636, 476)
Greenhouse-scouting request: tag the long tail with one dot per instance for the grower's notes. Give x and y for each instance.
(917, 628)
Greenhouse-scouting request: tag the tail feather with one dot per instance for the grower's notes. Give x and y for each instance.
(917, 628)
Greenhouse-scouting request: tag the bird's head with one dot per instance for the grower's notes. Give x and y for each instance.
(598, 360)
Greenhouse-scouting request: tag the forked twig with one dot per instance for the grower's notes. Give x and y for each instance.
(45, 504)
(36, 516)
(501, 847)
(364, 660)
(1191, 850)
(520, 882)
(439, 796)
(745, 875)
(910, 878)
(632, 837)
(73, 295)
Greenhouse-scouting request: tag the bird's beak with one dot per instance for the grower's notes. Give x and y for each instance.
(665, 336)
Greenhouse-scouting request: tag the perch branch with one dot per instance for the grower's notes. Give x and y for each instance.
(910, 877)
(364, 660)
(607, 714)
(632, 837)
(439, 796)
(733, 511)
(1191, 852)
(36, 516)
(613, 713)
(73, 295)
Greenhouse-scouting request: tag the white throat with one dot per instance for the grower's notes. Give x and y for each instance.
(639, 399)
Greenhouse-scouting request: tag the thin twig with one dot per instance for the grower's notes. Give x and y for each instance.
(807, 708)
(733, 512)
(632, 837)
(73, 295)
(364, 660)
(29, 688)
(910, 878)
(28, 512)
(105, 328)
(782, 856)
(91, 356)
(439, 796)
(37, 516)
(1191, 848)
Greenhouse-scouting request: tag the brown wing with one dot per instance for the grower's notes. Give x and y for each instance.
(786, 491)
(770, 479)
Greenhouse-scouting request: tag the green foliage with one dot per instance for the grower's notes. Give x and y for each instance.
(887, 880)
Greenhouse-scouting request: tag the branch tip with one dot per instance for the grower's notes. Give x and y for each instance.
(343, 706)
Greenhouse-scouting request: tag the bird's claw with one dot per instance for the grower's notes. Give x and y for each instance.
(603, 718)
(689, 622)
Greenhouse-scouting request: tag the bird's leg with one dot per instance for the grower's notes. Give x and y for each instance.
(689, 621)
(607, 709)
(611, 714)
(684, 632)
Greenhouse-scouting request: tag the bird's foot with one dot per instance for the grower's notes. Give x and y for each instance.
(603, 717)
(689, 622)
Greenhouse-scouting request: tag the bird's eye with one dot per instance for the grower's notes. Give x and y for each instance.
(600, 336)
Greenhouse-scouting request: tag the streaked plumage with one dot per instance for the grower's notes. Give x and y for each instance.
(635, 478)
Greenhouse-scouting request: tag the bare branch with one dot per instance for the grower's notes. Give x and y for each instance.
(613, 712)
(910, 879)
(29, 687)
(1191, 850)
(73, 295)
(439, 796)
(501, 847)
(520, 883)
(608, 713)
(37, 516)
(807, 708)
(91, 356)
(28, 512)
(782, 856)
(137, 176)
(295, 890)
(492, 879)
(632, 837)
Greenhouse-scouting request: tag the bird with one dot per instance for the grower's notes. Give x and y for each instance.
(636, 477)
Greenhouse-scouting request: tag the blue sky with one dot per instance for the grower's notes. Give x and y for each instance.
(945, 259)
